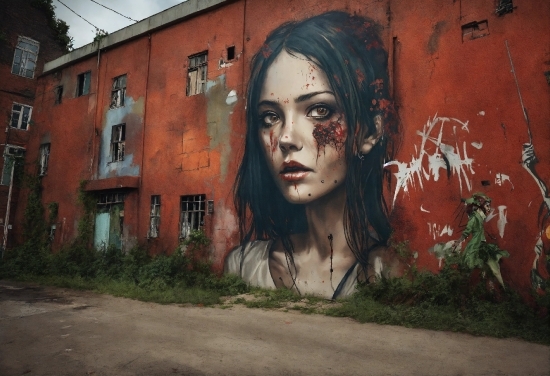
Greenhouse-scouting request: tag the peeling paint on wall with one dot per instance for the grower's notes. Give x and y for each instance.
(501, 178)
(220, 105)
(130, 114)
(501, 223)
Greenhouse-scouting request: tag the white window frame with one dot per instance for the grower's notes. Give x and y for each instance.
(192, 213)
(197, 73)
(118, 91)
(44, 159)
(118, 142)
(154, 217)
(19, 114)
(27, 49)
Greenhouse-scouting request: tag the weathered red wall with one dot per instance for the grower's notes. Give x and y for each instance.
(192, 145)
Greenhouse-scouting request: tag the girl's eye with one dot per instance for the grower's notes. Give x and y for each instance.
(320, 112)
(269, 119)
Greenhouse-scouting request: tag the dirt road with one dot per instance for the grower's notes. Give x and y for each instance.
(49, 331)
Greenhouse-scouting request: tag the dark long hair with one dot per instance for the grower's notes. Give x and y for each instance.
(350, 52)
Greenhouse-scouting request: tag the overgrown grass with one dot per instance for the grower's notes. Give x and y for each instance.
(452, 300)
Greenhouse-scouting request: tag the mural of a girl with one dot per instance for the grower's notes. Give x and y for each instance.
(309, 190)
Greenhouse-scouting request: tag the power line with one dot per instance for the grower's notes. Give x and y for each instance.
(120, 14)
(97, 28)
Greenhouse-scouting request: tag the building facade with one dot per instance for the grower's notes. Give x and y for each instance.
(154, 119)
(26, 42)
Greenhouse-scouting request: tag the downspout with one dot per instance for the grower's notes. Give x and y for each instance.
(143, 133)
(7, 219)
(94, 133)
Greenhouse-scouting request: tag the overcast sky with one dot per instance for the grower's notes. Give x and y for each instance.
(83, 33)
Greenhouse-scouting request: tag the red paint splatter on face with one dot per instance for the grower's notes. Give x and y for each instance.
(360, 76)
(330, 133)
(273, 143)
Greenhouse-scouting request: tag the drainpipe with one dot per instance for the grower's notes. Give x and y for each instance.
(7, 219)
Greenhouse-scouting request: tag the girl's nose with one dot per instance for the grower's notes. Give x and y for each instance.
(290, 139)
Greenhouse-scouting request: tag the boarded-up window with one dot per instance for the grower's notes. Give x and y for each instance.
(118, 91)
(192, 211)
(197, 72)
(20, 116)
(118, 137)
(25, 56)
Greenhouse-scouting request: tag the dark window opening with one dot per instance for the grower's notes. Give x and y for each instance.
(118, 137)
(475, 29)
(192, 211)
(13, 162)
(83, 84)
(230, 53)
(197, 72)
(547, 75)
(58, 94)
(44, 159)
(154, 222)
(504, 7)
(118, 91)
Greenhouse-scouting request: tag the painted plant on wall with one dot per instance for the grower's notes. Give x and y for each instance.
(320, 124)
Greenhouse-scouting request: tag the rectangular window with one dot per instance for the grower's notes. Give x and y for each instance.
(25, 56)
(83, 83)
(118, 91)
(117, 142)
(197, 73)
(192, 211)
(44, 158)
(154, 222)
(58, 92)
(20, 116)
(504, 7)
(13, 159)
(230, 53)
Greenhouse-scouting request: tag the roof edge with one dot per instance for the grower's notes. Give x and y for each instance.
(163, 19)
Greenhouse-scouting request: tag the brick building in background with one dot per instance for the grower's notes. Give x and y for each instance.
(27, 41)
(153, 118)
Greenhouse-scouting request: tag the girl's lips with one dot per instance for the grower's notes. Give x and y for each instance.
(293, 171)
(293, 176)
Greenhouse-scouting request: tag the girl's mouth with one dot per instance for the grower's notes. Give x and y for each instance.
(293, 171)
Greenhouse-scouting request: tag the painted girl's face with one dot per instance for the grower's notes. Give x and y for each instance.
(302, 129)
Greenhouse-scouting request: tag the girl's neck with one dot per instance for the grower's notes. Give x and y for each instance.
(325, 217)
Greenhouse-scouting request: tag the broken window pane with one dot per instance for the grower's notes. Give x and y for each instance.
(118, 91)
(58, 94)
(20, 116)
(475, 29)
(25, 57)
(83, 84)
(44, 158)
(192, 211)
(13, 159)
(154, 217)
(117, 142)
(197, 74)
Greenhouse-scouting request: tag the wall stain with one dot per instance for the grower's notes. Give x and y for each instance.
(217, 117)
(438, 29)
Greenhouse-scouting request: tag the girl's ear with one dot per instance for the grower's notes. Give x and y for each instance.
(369, 142)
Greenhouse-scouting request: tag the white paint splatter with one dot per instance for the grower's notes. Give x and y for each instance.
(443, 156)
(481, 113)
(423, 210)
(477, 145)
(501, 223)
(438, 231)
(231, 97)
(490, 216)
(501, 178)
